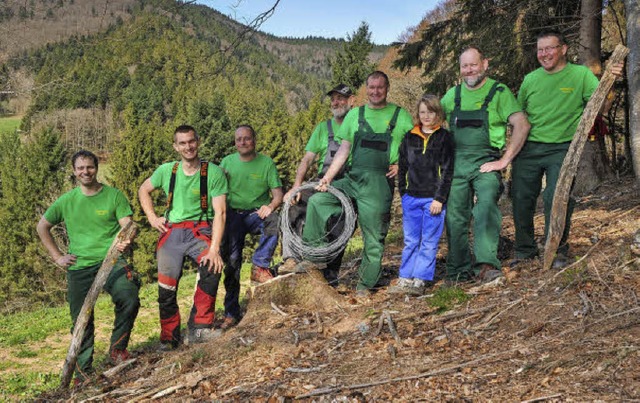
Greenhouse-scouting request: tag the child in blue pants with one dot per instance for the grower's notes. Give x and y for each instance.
(424, 180)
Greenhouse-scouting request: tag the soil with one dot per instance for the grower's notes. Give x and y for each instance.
(533, 335)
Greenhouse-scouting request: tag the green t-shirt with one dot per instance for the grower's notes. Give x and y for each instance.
(503, 105)
(91, 221)
(379, 120)
(186, 193)
(554, 102)
(319, 140)
(250, 181)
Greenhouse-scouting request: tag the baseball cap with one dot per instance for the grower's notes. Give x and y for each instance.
(342, 90)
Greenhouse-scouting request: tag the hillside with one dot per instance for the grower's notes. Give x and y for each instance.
(535, 335)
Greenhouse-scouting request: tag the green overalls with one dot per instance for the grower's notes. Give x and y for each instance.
(473, 148)
(367, 186)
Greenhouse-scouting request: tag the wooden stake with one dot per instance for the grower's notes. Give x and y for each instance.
(126, 233)
(571, 160)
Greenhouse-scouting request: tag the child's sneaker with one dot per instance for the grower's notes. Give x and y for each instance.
(417, 287)
(401, 287)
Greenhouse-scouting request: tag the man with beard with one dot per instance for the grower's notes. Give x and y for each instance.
(370, 135)
(478, 111)
(196, 190)
(554, 97)
(323, 144)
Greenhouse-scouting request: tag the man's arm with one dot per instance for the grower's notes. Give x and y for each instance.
(303, 167)
(122, 246)
(519, 135)
(144, 194)
(44, 232)
(276, 200)
(213, 258)
(341, 157)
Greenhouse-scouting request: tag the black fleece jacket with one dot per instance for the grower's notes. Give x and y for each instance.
(425, 164)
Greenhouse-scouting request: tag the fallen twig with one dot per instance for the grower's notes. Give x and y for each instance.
(542, 398)
(392, 328)
(319, 323)
(306, 370)
(278, 310)
(166, 392)
(112, 371)
(494, 317)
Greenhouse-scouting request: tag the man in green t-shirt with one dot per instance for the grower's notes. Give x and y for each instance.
(554, 97)
(196, 192)
(323, 145)
(478, 110)
(93, 214)
(255, 192)
(370, 135)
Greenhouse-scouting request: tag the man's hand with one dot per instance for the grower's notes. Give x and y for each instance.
(323, 186)
(616, 69)
(498, 165)
(65, 261)
(159, 223)
(264, 211)
(296, 199)
(123, 246)
(213, 261)
(435, 208)
(393, 171)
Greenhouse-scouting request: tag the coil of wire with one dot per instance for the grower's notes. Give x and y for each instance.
(318, 250)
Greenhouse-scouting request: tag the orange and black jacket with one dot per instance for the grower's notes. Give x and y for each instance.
(425, 164)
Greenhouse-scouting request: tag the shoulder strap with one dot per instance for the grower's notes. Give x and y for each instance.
(392, 122)
(457, 99)
(492, 92)
(330, 129)
(204, 196)
(172, 185)
(362, 123)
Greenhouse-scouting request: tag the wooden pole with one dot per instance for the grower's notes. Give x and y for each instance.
(571, 160)
(126, 233)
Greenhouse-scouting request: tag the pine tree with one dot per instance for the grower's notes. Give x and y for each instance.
(351, 64)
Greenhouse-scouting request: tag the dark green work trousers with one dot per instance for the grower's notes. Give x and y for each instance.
(534, 161)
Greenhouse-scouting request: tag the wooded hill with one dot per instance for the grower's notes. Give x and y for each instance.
(121, 91)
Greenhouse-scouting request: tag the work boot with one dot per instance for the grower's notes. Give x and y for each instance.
(260, 275)
(228, 323)
(488, 273)
(417, 287)
(401, 287)
(119, 356)
(560, 261)
(203, 335)
(289, 266)
(168, 345)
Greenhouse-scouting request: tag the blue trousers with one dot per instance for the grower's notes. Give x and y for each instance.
(239, 224)
(422, 231)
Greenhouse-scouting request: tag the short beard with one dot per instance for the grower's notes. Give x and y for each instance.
(340, 112)
(472, 83)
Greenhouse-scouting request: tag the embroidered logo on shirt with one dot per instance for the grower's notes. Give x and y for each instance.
(566, 90)
(102, 212)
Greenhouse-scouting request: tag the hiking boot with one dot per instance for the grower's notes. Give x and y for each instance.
(166, 346)
(119, 356)
(80, 383)
(363, 293)
(417, 287)
(560, 261)
(289, 266)
(260, 274)
(488, 273)
(203, 335)
(401, 287)
(228, 323)
(517, 262)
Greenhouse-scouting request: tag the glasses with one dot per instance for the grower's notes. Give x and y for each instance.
(548, 49)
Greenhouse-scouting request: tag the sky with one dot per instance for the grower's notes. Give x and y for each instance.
(387, 19)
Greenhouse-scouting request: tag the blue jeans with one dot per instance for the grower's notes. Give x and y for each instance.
(422, 231)
(239, 224)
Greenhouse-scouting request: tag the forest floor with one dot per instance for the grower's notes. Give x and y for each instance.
(534, 335)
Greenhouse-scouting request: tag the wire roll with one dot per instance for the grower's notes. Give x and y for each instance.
(311, 250)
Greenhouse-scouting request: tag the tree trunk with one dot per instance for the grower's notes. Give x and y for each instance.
(593, 168)
(633, 76)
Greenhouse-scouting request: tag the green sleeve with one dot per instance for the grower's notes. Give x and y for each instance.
(507, 103)
(314, 145)
(159, 175)
(216, 181)
(448, 102)
(54, 212)
(349, 126)
(403, 125)
(272, 176)
(522, 93)
(590, 85)
(123, 208)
